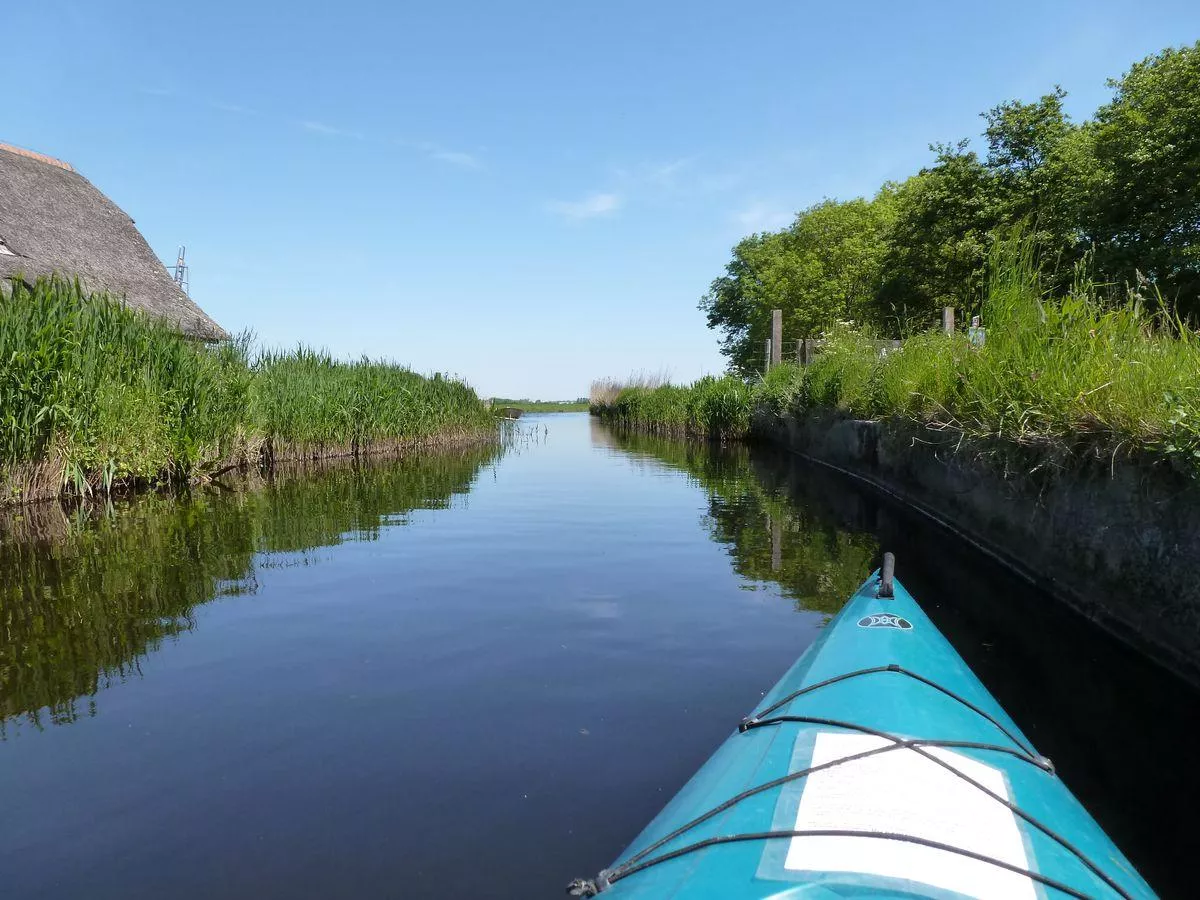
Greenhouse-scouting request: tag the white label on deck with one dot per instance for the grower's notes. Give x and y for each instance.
(902, 792)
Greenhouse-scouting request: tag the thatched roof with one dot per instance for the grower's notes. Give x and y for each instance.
(52, 219)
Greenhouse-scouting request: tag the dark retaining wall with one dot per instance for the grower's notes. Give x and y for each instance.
(1118, 539)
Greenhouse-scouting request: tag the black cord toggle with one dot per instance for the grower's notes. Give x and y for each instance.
(589, 887)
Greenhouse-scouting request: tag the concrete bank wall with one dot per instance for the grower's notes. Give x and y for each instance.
(1117, 540)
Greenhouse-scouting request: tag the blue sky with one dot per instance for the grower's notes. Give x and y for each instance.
(529, 195)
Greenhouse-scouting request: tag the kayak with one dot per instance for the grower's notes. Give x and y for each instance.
(878, 767)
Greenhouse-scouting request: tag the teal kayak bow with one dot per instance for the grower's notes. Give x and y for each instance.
(878, 767)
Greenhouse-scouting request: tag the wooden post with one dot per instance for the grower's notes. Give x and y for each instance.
(948, 319)
(776, 336)
(799, 353)
(767, 357)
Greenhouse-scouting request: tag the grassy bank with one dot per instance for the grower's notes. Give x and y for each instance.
(94, 395)
(1063, 374)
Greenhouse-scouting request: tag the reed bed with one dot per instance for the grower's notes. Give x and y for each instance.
(308, 403)
(96, 396)
(604, 391)
(715, 408)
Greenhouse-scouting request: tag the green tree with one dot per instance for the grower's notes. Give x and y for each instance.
(938, 245)
(1144, 213)
(1123, 188)
(844, 245)
(1042, 167)
(735, 302)
(825, 266)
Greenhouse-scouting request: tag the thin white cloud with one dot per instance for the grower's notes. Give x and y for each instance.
(719, 182)
(438, 153)
(330, 130)
(590, 207)
(662, 176)
(759, 216)
(683, 178)
(664, 173)
(457, 158)
(232, 108)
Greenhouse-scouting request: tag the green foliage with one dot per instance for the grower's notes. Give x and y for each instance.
(1057, 368)
(308, 399)
(1042, 166)
(1122, 190)
(780, 388)
(100, 394)
(917, 380)
(107, 391)
(717, 408)
(840, 374)
(936, 251)
(825, 267)
(1144, 210)
(1053, 369)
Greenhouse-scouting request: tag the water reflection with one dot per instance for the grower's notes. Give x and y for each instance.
(1087, 701)
(772, 534)
(84, 596)
(557, 655)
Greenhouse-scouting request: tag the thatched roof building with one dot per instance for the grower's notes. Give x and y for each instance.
(52, 219)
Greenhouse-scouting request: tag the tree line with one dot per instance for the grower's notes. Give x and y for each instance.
(1114, 199)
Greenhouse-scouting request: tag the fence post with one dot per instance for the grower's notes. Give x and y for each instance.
(948, 319)
(776, 336)
(767, 357)
(800, 353)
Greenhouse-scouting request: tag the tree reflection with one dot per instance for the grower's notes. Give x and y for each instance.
(777, 523)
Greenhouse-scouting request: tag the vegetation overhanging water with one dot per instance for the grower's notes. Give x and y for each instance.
(95, 395)
(1061, 373)
(1075, 242)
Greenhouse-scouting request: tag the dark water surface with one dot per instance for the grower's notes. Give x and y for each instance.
(480, 674)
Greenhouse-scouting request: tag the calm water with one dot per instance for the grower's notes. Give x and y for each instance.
(481, 674)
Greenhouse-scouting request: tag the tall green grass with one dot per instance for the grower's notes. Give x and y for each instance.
(306, 401)
(716, 408)
(1054, 369)
(94, 394)
(103, 393)
(1057, 371)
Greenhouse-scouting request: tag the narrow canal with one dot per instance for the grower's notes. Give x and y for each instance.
(481, 673)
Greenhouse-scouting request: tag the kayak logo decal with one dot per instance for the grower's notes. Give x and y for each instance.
(884, 620)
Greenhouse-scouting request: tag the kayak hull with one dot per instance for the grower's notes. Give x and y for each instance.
(878, 815)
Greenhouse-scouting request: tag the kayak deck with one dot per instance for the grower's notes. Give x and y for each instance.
(878, 766)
